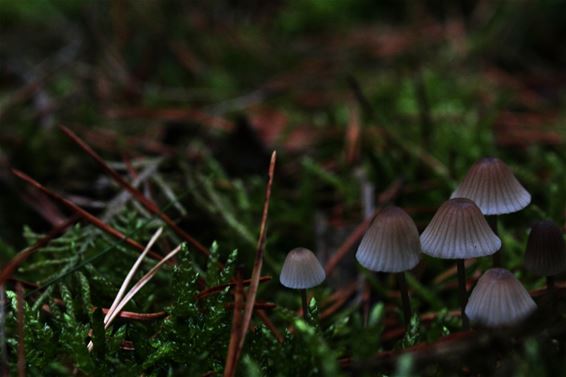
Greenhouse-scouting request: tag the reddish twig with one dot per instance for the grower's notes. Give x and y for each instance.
(138, 195)
(439, 347)
(258, 262)
(19, 258)
(219, 288)
(274, 330)
(123, 314)
(348, 244)
(340, 299)
(137, 316)
(385, 197)
(84, 214)
(230, 367)
(21, 324)
(257, 305)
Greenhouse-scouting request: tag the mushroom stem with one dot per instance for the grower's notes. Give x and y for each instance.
(463, 292)
(492, 221)
(305, 303)
(402, 282)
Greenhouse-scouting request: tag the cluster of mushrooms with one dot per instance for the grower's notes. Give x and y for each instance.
(457, 231)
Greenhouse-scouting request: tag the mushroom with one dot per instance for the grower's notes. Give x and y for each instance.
(302, 270)
(458, 230)
(391, 244)
(499, 299)
(490, 183)
(546, 251)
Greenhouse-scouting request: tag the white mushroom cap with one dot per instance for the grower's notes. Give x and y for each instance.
(493, 187)
(546, 250)
(391, 244)
(499, 299)
(301, 270)
(458, 230)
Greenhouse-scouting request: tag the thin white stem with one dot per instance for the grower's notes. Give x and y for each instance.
(139, 285)
(131, 273)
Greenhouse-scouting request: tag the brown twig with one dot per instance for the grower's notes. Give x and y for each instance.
(348, 244)
(230, 367)
(257, 305)
(19, 258)
(385, 197)
(21, 337)
(341, 297)
(219, 288)
(274, 330)
(123, 314)
(252, 291)
(137, 316)
(84, 214)
(138, 195)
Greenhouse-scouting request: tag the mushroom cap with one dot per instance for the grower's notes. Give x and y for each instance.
(546, 250)
(499, 299)
(301, 270)
(490, 183)
(391, 243)
(459, 230)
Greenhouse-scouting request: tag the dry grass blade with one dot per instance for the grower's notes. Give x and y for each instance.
(139, 285)
(139, 196)
(128, 278)
(132, 271)
(84, 214)
(19, 258)
(258, 262)
(21, 341)
(236, 327)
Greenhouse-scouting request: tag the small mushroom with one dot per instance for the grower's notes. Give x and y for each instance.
(459, 231)
(391, 244)
(490, 184)
(499, 299)
(546, 251)
(302, 270)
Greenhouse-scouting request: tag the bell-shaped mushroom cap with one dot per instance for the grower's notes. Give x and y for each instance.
(546, 250)
(391, 244)
(499, 299)
(458, 230)
(493, 187)
(301, 270)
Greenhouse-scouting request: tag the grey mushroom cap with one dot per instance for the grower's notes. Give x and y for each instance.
(301, 270)
(499, 299)
(490, 183)
(546, 250)
(391, 243)
(459, 230)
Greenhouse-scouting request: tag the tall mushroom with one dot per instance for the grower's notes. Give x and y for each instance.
(459, 231)
(301, 270)
(499, 299)
(546, 251)
(490, 184)
(391, 244)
